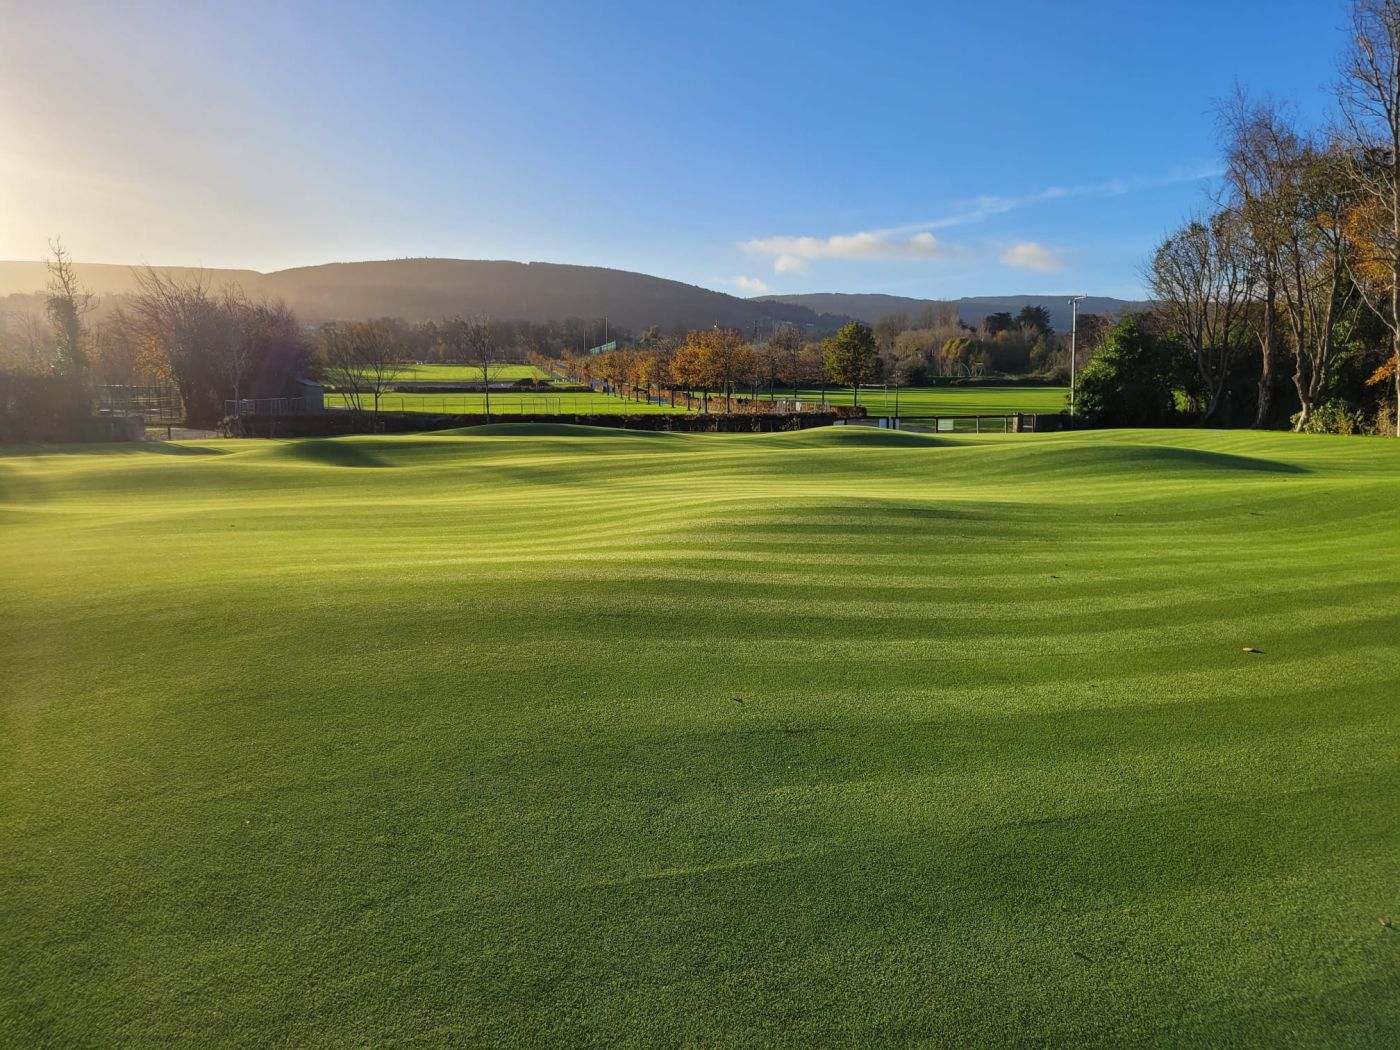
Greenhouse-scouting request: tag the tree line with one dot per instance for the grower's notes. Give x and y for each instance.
(1280, 297)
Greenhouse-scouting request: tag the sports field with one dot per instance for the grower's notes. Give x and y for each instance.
(537, 736)
(507, 403)
(911, 402)
(459, 373)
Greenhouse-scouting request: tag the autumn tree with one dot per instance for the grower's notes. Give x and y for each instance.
(785, 347)
(851, 356)
(1370, 102)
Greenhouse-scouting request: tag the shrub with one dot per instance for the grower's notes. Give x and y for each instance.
(911, 372)
(1331, 417)
(1129, 381)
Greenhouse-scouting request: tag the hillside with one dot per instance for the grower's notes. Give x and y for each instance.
(425, 289)
(428, 289)
(971, 310)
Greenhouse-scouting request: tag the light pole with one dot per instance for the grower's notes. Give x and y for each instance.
(1073, 328)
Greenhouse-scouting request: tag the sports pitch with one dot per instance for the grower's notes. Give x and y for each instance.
(542, 735)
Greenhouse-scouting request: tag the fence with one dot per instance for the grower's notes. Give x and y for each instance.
(1015, 423)
(153, 403)
(265, 406)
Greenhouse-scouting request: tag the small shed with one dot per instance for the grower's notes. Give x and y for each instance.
(312, 394)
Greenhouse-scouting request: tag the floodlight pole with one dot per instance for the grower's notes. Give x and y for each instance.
(1073, 330)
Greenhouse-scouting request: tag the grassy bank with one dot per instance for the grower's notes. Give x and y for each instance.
(531, 735)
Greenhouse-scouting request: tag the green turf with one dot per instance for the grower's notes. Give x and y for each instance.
(539, 736)
(459, 373)
(948, 400)
(511, 403)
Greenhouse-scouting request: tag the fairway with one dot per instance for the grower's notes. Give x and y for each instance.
(523, 736)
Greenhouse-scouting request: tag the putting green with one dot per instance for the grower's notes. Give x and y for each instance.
(535, 735)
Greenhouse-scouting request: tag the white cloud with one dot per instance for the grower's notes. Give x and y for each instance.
(752, 284)
(914, 241)
(1031, 256)
(795, 254)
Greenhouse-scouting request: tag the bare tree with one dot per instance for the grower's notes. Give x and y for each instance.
(1201, 277)
(1262, 149)
(1370, 97)
(67, 303)
(363, 359)
(240, 336)
(472, 340)
(1312, 262)
(27, 343)
(179, 316)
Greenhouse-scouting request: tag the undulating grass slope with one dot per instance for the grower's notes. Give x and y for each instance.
(543, 736)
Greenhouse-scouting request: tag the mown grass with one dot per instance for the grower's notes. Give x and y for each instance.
(533, 735)
(431, 372)
(948, 400)
(507, 403)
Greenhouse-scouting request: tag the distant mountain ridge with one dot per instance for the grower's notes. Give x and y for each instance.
(431, 289)
(971, 309)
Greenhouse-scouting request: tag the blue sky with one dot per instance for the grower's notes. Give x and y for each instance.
(933, 149)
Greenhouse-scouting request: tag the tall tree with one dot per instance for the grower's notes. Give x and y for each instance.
(66, 305)
(1035, 317)
(181, 320)
(1370, 97)
(786, 347)
(1262, 150)
(1313, 287)
(852, 358)
(1201, 277)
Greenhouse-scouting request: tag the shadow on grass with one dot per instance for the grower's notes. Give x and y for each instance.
(572, 430)
(1162, 457)
(333, 452)
(121, 448)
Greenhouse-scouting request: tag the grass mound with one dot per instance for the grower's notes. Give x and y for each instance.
(555, 735)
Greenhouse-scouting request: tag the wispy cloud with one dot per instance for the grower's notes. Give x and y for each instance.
(752, 284)
(1028, 255)
(915, 240)
(795, 254)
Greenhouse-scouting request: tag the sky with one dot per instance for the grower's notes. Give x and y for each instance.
(929, 149)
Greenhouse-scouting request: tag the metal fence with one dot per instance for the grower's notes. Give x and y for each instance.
(1015, 423)
(265, 406)
(153, 403)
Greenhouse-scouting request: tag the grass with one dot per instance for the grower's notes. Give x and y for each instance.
(512, 403)
(950, 400)
(458, 373)
(533, 735)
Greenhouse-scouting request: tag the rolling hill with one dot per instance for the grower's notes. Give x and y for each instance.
(426, 289)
